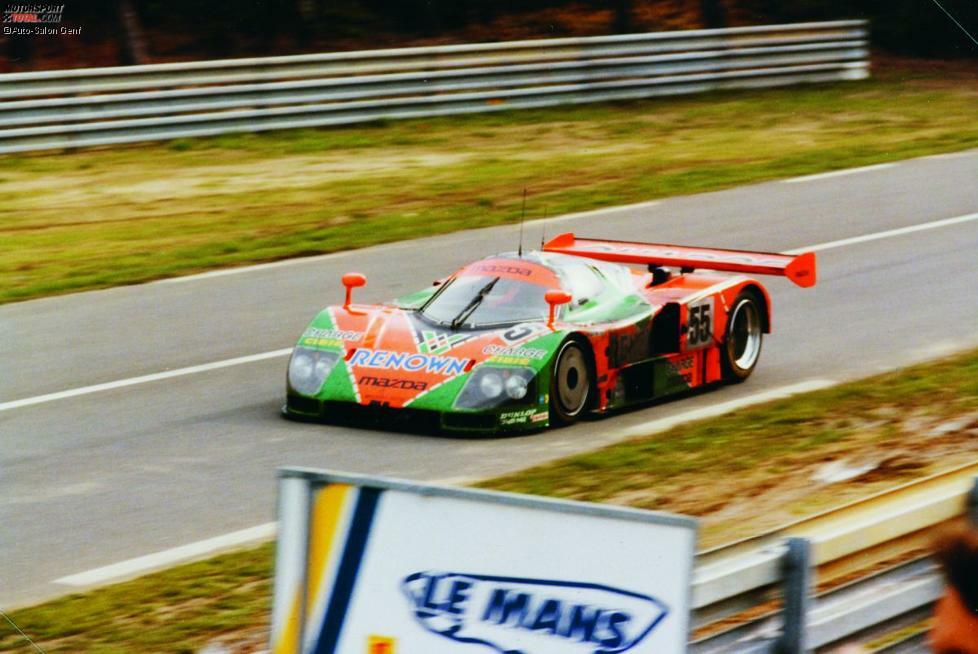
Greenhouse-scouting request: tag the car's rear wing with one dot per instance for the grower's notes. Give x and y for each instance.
(798, 268)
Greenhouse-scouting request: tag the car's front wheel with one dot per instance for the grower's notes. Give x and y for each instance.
(570, 384)
(742, 340)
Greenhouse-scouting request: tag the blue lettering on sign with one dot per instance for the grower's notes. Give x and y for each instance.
(531, 616)
(440, 365)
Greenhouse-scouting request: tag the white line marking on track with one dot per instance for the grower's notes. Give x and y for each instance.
(597, 212)
(85, 390)
(838, 173)
(143, 564)
(900, 231)
(184, 553)
(953, 155)
(556, 219)
(713, 410)
(132, 381)
(224, 272)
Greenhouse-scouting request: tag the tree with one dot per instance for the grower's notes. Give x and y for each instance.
(714, 14)
(623, 16)
(133, 44)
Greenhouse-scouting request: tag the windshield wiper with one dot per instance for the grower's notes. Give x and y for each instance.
(473, 303)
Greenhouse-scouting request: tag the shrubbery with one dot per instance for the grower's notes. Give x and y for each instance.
(916, 27)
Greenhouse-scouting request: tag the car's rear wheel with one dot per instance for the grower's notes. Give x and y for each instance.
(570, 384)
(742, 340)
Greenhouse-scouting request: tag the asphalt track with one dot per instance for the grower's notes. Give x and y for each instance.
(94, 477)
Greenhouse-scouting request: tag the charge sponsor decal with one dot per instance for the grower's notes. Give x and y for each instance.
(323, 343)
(509, 361)
(416, 362)
(518, 352)
(540, 417)
(381, 645)
(531, 616)
(387, 382)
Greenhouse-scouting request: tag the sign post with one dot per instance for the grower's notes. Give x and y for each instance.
(366, 565)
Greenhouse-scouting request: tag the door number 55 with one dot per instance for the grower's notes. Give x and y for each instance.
(699, 331)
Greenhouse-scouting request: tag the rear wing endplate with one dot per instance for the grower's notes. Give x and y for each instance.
(798, 268)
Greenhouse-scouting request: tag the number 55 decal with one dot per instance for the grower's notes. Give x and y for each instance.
(699, 326)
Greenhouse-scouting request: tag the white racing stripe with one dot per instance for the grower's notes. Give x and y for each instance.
(157, 560)
(144, 379)
(85, 390)
(838, 173)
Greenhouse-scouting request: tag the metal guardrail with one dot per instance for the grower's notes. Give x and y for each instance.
(762, 585)
(99, 106)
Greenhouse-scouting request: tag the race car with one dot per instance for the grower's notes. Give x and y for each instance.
(524, 340)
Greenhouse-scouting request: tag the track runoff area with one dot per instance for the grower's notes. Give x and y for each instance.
(947, 227)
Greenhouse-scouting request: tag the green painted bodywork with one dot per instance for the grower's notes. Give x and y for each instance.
(511, 416)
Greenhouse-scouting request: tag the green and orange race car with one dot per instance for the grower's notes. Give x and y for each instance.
(521, 341)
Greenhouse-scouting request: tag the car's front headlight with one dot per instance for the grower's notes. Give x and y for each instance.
(490, 386)
(309, 368)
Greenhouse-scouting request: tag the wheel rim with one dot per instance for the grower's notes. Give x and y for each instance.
(745, 335)
(573, 382)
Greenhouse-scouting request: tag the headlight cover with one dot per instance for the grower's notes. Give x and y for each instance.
(309, 368)
(491, 386)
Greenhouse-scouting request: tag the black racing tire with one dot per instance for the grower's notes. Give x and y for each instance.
(742, 338)
(571, 383)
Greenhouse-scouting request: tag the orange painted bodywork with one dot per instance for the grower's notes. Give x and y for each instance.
(798, 268)
(642, 348)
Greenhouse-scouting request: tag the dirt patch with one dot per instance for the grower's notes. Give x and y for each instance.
(781, 491)
(753, 470)
(62, 189)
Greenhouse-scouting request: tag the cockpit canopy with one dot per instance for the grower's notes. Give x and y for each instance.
(509, 289)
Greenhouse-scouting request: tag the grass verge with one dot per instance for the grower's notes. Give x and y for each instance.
(178, 611)
(99, 218)
(739, 473)
(754, 469)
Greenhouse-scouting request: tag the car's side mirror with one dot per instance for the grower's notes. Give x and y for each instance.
(351, 281)
(555, 298)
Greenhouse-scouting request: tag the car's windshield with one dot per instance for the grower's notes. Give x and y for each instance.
(507, 300)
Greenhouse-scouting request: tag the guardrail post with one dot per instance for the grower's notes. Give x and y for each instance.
(797, 589)
(973, 503)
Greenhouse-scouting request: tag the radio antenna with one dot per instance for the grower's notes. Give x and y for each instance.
(522, 216)
(543, 229)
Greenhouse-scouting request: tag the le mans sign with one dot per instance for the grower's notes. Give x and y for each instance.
(374, 566)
